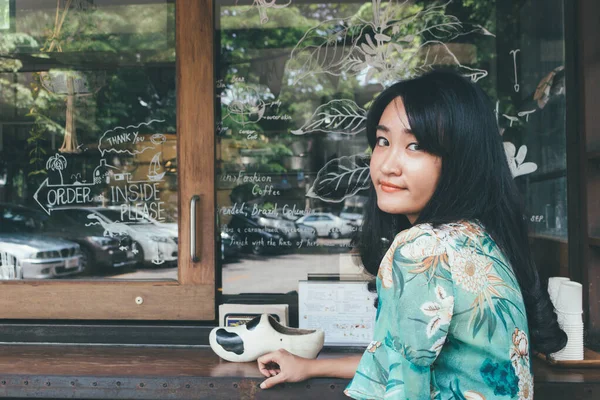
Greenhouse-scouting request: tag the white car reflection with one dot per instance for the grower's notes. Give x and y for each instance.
(42, 257)
(157, 244)
(327, 224)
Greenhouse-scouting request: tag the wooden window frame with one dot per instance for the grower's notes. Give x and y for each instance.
(192, 295)
(583, 147)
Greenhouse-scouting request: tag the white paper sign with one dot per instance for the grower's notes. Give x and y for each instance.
(343, 310)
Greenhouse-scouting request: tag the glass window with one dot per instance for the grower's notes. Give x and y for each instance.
(88, 133)
(294, 83)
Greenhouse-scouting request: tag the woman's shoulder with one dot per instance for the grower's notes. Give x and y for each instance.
(424, 241)
(463, 231)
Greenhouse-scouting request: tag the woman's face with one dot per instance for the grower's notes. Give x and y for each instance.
(404, 176)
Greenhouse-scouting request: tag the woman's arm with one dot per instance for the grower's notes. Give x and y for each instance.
(343, 367)
(282, 366)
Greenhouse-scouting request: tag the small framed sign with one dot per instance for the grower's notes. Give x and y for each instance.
(343, 310)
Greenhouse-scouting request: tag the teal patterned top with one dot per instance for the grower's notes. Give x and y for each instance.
(450, 324)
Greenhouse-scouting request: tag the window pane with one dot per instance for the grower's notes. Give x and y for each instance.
(294, 83)
(88, 146)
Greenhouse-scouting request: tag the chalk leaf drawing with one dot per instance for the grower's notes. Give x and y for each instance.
(386, 48)
(516, 160)
(341, 178)
(337, 116)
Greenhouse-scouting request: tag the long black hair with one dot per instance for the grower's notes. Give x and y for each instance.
(453, 118)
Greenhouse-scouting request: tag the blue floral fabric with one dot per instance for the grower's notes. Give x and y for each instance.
(450, 324)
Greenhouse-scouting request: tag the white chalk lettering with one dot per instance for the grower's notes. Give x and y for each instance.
(68, 195)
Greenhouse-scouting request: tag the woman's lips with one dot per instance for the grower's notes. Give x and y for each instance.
(390, 188)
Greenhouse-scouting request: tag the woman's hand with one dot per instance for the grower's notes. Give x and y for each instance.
(282, 366)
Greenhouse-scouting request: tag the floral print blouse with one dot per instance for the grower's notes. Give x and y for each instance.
(450, 324)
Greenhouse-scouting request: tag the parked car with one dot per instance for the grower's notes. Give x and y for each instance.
(307, 232)
(10, 266)
(99, 253)
(171, 227)
(254, 237)
(327, 224)
(152, 243)
(41, 256)
(354, 214)
(230, 245)
(287, 228)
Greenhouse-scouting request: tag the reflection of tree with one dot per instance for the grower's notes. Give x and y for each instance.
(130, 45)
(332, 58)
(4, 14)
(395, 42)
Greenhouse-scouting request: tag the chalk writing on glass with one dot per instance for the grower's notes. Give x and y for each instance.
(122, 139)
(511, 118)
(514, 54)
(525, 114)
(111, 228)
(263, 6)
(158, 139)
(384, 49)
(245, 106)
(497, 111)
(61, 194)
(155, 170)
(516, 160)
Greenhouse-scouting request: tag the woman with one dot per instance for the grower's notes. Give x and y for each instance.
(459, 298)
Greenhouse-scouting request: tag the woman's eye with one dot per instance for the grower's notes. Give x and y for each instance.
(414, 146)
(381, 141)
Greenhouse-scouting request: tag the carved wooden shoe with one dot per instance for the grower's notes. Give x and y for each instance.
(262, 335)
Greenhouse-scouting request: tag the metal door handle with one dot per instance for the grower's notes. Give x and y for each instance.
(193, 219)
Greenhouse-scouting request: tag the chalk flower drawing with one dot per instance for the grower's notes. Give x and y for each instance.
(383, 49)
(341, 178)
(57, 163)
(516, 162)
(337, 116)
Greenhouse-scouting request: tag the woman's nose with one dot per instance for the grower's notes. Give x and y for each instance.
(391, 164)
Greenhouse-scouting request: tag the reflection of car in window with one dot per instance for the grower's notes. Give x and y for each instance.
(99, 253)
(327, 224)
(41, 256)
(353, 214)
(151, 242)
(255, 237)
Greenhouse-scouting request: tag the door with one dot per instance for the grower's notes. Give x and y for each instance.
(106, 172)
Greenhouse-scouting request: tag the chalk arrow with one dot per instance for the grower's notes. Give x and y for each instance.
(35, 195)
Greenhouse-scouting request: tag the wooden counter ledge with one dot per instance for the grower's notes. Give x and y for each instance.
(101, 372)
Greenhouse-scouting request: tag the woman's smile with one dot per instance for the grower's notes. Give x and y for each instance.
(390, 187)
